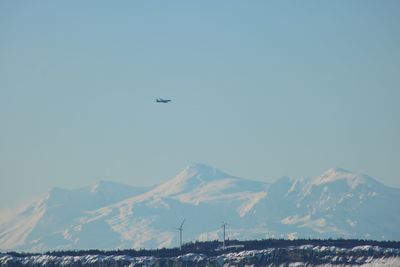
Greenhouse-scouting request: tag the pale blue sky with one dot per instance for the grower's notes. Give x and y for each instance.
(260, 89)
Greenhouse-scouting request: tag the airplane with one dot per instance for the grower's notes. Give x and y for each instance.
(160, 100)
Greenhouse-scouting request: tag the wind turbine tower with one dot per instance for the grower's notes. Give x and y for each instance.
(180, 229)
(224, 224)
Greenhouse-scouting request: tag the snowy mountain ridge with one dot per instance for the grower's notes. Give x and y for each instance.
(338, 174)
(107, 215)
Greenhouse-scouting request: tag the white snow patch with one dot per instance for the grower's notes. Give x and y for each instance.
(15, 232)
(253, 199)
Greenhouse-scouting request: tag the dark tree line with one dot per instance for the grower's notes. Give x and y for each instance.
(213, 248)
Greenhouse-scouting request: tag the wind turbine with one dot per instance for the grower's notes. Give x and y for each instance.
(180, 229)
(224, 224)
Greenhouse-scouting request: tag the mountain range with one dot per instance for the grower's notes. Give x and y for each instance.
(108, 215)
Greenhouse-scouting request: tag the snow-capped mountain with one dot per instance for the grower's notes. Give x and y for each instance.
(337, 203)
(42, 225)
(203, 195)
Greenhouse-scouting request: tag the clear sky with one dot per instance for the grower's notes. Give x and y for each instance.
(260, 89)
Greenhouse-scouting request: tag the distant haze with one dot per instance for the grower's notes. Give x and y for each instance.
(259, 89)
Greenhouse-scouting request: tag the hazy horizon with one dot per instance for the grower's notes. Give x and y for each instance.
(259, 90)
(10, 210)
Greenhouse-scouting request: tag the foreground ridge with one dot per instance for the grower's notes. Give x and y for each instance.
(304, 255)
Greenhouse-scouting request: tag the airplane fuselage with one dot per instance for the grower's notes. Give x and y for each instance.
(160, 100)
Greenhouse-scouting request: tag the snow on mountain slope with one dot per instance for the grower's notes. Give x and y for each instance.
(44, 222)
(337, 203)
(200, 183)
(14, 232)
(200, 193)
(349, 180)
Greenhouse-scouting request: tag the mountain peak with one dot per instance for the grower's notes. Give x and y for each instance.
(203, 171)
(198, 166)
(105, 185)
(337, 203)
(336, 171)
(352, 179)
(332, 175)
(191, 178)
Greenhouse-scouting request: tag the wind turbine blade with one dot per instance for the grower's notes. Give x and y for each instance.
(182, 223)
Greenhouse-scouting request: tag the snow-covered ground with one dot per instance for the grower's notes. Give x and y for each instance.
(307, 255)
